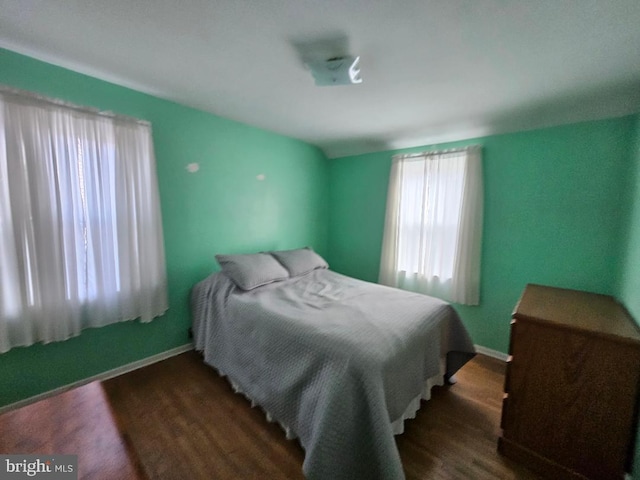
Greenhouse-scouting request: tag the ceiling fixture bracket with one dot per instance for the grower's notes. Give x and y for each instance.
(336, 71)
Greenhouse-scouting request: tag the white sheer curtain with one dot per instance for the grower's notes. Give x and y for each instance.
(81, 240)
(433, 225)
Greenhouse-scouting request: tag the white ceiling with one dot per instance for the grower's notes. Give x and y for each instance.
(433, 70)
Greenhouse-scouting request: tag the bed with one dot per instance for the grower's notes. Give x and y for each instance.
(338, 362)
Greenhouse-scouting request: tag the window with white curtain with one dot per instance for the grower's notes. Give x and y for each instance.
(81, 241)
(433, 224)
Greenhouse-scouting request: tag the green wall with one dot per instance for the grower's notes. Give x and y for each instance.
(629, 291)
(551, 215)
(222, 208)
(630, 272)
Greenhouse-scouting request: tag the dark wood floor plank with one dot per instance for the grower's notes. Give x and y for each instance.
(77, 422)
(179, 419)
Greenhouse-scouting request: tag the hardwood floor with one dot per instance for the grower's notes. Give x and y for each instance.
(214, 432)
(454, 435)
(186, 422)
(77, 422)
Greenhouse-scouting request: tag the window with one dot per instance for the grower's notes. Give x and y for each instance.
(80, 228)
(433, 224)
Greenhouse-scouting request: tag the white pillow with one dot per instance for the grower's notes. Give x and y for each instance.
(253, 270)
(300, 261)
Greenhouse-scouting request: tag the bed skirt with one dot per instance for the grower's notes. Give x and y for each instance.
(397, 426)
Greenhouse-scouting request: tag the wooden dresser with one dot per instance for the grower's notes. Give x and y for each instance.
(572, 384)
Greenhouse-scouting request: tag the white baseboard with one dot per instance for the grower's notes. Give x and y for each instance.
(491, 353)
(100, 376)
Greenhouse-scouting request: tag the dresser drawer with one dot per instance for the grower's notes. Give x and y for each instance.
(505, 407)
(512, 335)
(507, 375)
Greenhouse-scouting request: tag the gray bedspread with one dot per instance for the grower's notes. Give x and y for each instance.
(333, 358)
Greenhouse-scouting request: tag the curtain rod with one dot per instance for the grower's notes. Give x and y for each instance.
(24, 94)
(436, 152)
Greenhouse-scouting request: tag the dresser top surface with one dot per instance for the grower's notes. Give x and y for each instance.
(590, 312)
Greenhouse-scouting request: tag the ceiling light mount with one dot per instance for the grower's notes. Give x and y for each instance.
(336, 71)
